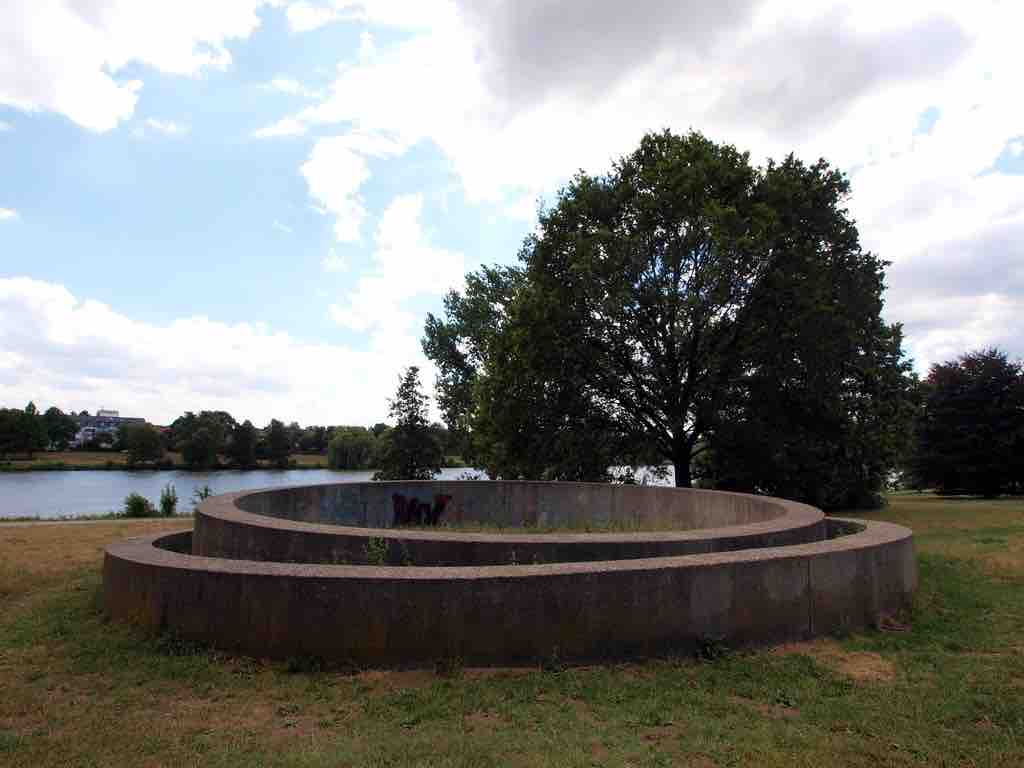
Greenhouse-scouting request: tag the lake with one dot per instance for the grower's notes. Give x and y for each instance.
(56, 494)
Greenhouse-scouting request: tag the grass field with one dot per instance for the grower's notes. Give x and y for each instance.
(76, 690)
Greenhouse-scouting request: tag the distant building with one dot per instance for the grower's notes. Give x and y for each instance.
(103, 423)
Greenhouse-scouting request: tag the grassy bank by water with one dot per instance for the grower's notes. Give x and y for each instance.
(78, 690)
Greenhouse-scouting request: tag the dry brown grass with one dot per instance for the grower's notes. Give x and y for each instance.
(37, 556)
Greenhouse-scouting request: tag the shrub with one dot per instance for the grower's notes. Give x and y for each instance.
(201, 494)
(137, 505)
(168, 501)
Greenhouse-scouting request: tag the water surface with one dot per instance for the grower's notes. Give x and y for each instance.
(56, 494)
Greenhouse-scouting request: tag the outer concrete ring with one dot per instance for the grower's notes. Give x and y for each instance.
(223, 529)
(504, 614)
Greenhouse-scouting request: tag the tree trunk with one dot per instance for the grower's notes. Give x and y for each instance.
(682, 468)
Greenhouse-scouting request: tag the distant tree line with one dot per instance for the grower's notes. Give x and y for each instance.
(204, 439)
(211, 439)
(26, 431)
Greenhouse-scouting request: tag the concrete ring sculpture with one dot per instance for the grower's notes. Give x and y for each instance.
(282, 573)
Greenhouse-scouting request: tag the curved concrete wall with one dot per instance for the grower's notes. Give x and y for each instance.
(499, 614)
(505, 504)
(274, 525)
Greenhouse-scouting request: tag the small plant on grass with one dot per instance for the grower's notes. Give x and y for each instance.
(201, 494)
(137, 505)
(711, 648)
(448, 666)
(552, 663)
(377, 551)
(168, 501)
(303, 664)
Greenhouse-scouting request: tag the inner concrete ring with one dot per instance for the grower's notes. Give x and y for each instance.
(355, 523)
(398, 615)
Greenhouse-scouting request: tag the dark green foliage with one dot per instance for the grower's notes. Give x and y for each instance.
(143, 443)
(821, 411)
(410, 451)
(684, 301)
(137, 505)
(200, 450)
(22, 432)
(313, 440)
(60, 428)
(241, 447)
(279, 446)
(352, 448)
(201, 438)
(969, 437)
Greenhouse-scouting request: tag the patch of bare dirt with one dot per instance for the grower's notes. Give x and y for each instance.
(773, 711)
(862, 666)
(483, 722)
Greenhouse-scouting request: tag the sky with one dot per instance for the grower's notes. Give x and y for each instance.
(251, 205)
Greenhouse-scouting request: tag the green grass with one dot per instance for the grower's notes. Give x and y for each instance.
(78, 690)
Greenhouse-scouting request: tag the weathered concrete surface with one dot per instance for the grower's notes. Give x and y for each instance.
(274, 530)
(516, 504)
(511, 613)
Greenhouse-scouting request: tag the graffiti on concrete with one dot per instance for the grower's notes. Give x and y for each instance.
(416, 512)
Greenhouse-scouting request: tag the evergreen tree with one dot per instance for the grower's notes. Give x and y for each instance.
(412, 451)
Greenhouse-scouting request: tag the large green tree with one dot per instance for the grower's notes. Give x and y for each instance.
(60, 428)
(822, 406)
(635, 317)
(201, 437)
(411, 451)
(241, 447)
(279, 443)
(351, 448)
(969, 437)
(143, 442)
(22, 431)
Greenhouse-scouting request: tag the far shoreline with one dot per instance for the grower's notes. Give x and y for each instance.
(105, 461)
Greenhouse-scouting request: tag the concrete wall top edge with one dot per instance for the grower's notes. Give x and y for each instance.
(147, 550)
(782, 515)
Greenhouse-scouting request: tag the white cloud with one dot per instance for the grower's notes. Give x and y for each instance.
(519, 95)
(282, 128)
(5, 126)
(292, 87)
(167, 127)
(7, 214)
(336, 170)
(65, 56)
(282, 227)
(305, 17)
(79, 354)
(405, 265)
(333, 262)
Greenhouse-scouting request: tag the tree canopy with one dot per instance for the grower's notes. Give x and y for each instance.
(652, 309)
(60, 428)
(969, 436)
(22, 431)
(143, 443)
